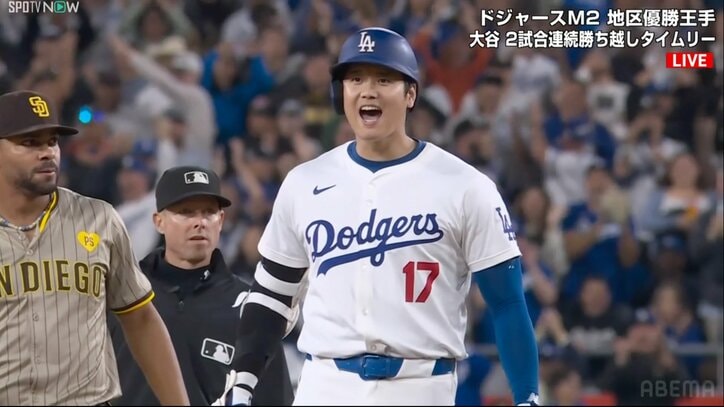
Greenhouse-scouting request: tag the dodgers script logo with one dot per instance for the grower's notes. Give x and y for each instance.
(388, 234)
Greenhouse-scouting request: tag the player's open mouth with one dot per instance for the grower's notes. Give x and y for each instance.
(370, 114)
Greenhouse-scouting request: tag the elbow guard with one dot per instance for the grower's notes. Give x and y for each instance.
(269, 312)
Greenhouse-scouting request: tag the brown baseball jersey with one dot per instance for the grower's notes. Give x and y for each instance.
(54, 292)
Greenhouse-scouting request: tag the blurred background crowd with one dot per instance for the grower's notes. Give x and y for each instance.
(611, 164)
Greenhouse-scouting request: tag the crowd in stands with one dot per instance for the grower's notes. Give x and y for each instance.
(611, 164)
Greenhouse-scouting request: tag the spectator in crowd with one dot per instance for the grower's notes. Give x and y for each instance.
(557, 353)
(274, 50)
(52, 69)
(473, 142)
(449, 62)
(149, 22)
(242, 27)
(249, 176)
(107, 101)
(136, 205)
(533, 76)
(594, 323)
(678, 204)
(90, 161)
(234, 226)
(674, 312)
(313, 23)
(233, 81)
(599, 239)
(179, 82)
(247, 258)
(566, 387)
(572, 117)
(428, 119)
(641, 359)
(642, 157)
(606, 97)
(410, 16)
(208, 17)
(291, 125)
(311, 87)
(705, 245)
(485, 102)
(538, 222)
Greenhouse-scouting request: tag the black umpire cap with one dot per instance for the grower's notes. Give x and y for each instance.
(25, 111)
(179, 183)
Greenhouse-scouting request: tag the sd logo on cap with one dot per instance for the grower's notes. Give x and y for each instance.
(25, 111)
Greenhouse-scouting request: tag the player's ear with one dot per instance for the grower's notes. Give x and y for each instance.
(158, 222)
(221, 218)
(411, 95)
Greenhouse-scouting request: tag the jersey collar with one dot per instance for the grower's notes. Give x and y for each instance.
(375, 166)
(51, 207)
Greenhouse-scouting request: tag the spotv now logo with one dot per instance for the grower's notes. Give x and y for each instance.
(690, 60)
(36, 7)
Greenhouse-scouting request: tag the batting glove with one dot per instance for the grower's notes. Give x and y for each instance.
(233, 395)
(532, 401)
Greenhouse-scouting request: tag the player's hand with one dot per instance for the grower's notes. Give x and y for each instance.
(230, 397)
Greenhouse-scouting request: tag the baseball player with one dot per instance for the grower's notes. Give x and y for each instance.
(64, 260)
(389, 231)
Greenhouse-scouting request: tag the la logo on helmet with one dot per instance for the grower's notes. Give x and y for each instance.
(365, 43)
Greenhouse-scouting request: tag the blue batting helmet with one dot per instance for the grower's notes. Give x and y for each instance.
(378, 46)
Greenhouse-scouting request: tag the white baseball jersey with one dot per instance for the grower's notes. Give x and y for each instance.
(389, 253)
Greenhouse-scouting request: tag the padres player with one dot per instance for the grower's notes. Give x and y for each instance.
(390, 230)
(65, 259)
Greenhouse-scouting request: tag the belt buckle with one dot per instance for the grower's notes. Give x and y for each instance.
(375, 367)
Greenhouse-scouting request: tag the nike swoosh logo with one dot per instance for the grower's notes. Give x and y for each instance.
(318, 191)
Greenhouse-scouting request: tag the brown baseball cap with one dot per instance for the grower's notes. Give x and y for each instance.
(25, 111)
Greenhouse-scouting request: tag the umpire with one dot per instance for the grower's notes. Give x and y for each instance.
(196, 295)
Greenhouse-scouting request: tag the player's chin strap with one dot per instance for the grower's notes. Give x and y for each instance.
(233, 394)
(532, 401)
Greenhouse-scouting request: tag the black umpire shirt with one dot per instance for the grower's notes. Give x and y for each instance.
(201, 311)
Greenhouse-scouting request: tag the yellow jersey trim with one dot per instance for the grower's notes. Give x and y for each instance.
(138, 304)
(53, 205)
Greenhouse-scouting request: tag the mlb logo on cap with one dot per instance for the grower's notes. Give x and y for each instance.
(196, 177)
(179, 183)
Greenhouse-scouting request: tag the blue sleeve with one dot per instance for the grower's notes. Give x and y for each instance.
(260, 81)
(207, 75)
(571, 217)
(502, 288)
(605, 145)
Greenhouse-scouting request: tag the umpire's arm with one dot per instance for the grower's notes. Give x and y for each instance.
(150, 344)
